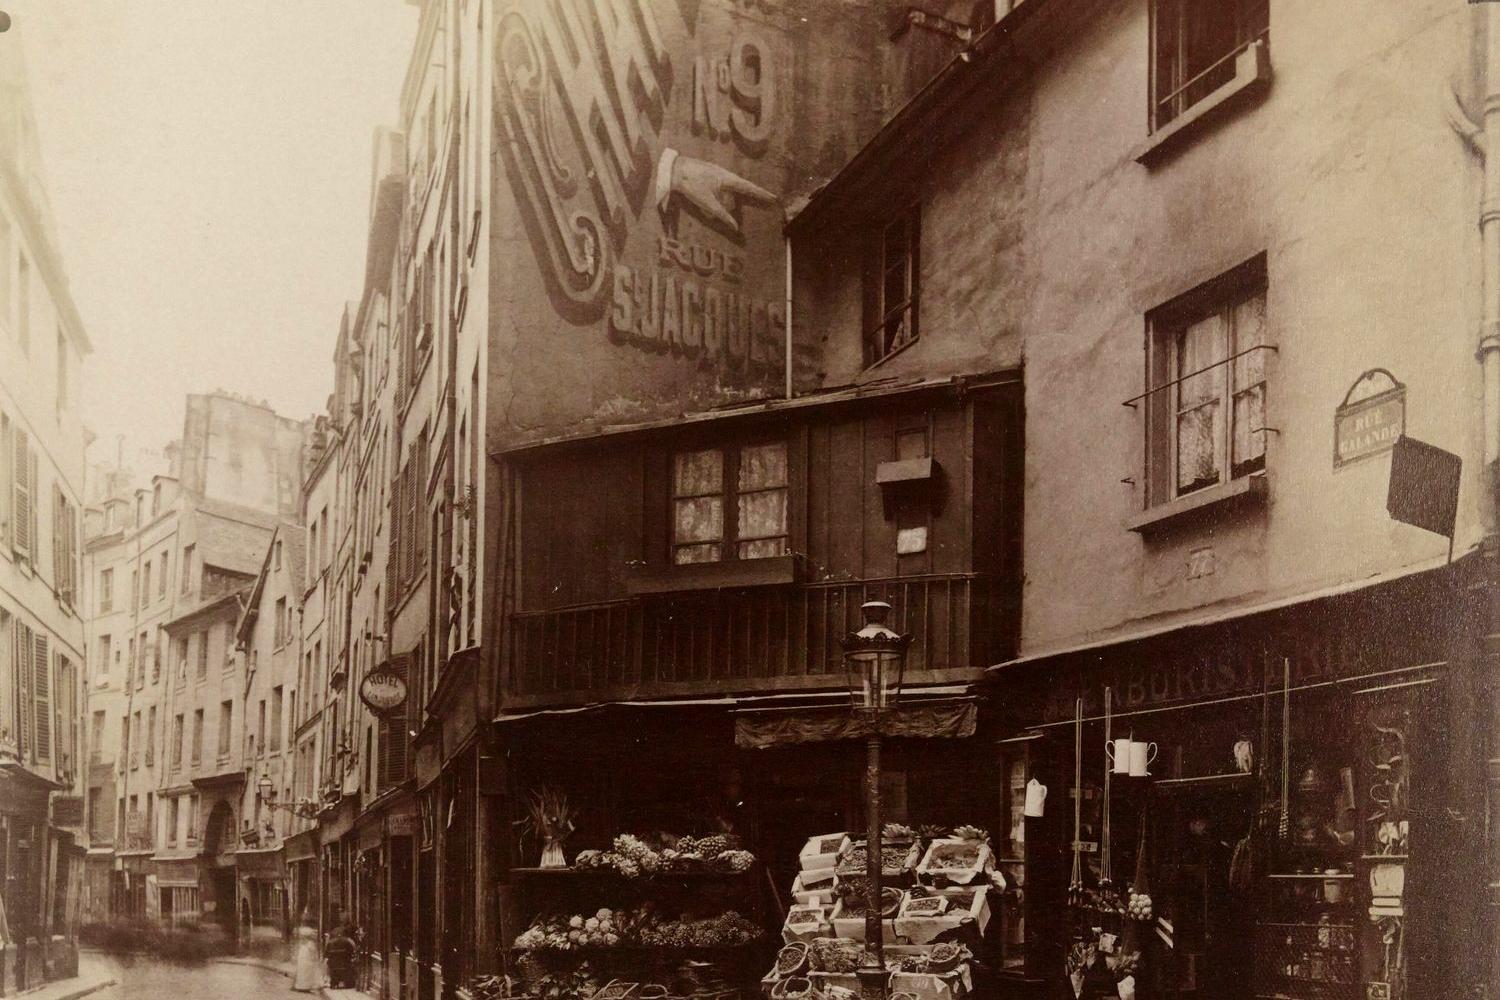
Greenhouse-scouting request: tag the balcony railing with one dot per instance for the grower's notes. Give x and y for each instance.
(752, 639)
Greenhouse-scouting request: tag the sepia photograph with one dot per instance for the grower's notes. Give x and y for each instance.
(749, 499)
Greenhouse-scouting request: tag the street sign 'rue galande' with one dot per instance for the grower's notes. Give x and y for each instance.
(1371, 424)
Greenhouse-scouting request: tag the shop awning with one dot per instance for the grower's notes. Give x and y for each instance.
(951, 717)
(259, 863)
(792, 717)
(301, 846)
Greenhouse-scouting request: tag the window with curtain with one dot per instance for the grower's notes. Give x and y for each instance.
(1208, 399)
(1195, 44)
(729, 503)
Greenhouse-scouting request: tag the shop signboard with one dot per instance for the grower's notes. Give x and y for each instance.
(67, 810)
(1424, 486)
(384, 688)
(1349, 636)
(650, 150)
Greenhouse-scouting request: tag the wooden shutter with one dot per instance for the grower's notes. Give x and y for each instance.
(394, 738)
(42, 692)
(7, 481)
(22, 514)
(57, 540)
(23, 690)
(393, 550)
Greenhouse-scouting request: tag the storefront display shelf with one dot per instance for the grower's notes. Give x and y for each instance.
(609, 875)
(623, 950)
(1204, 780)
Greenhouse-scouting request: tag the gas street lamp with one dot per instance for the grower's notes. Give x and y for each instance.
(875, 659)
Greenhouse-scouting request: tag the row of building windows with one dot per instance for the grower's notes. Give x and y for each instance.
(19, 311)
(132, 732)
(140, 581)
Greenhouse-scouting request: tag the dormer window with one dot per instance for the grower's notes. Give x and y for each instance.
(892, 286)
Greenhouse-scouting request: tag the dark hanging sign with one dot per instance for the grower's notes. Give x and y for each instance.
(1371, 424)
(384, 688)
(1424, 486)
(67, 810)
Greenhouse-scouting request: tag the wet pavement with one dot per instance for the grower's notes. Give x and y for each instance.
(143, 979)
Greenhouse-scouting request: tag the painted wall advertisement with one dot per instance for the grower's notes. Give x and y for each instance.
(649, 147)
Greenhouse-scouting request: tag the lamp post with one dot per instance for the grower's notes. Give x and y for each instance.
(875, 658)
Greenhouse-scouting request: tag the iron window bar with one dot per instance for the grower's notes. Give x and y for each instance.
(1232, 54)
(1133, 400)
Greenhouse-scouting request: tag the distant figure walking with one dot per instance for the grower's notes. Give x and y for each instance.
(309, 975)
(341, 950)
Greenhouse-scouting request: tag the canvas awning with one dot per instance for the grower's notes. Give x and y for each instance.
(927, 718)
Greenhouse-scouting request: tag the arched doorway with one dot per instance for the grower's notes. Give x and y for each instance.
(218, 861)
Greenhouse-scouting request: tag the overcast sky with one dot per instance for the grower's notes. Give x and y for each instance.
(208, 162)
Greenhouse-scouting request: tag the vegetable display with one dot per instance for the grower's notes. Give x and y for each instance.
(632, 857)
(640, 925)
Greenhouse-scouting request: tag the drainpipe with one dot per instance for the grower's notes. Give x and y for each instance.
(1489, 233)
(1489, 359)
(788, 315)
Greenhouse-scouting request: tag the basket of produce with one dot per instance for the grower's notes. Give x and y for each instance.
(618, 989)
(792, 988)
(944, 957)
(792, 960)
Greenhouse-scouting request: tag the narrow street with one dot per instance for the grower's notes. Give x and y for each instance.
(143, 979)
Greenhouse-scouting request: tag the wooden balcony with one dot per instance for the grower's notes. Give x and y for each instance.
(753, 639)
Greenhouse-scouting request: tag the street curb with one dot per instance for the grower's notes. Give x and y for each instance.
(252, 963)
(103, 984)
(82, 991)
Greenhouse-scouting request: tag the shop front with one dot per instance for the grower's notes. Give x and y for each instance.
(666, 843)
(1263, 806)
(178, 889)
(29, 897)
(265, 910)
(301, 851)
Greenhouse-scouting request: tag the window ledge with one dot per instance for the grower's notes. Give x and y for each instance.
(716, 575)
(1252, 75)
(1247, 491)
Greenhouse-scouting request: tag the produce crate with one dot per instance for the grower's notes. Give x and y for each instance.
(937, 865)
(853, 927)
(964, 904)
(822, 852)
(804, 923)
(815, 887)
(932, 985)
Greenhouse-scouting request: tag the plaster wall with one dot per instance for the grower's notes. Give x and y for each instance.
(606, 319)
(1045, 241)
(1348, 177)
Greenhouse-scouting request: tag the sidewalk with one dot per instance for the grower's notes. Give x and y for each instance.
(91, 978)
(288, 969)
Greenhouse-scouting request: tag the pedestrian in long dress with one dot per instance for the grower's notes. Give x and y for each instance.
(309, 973)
